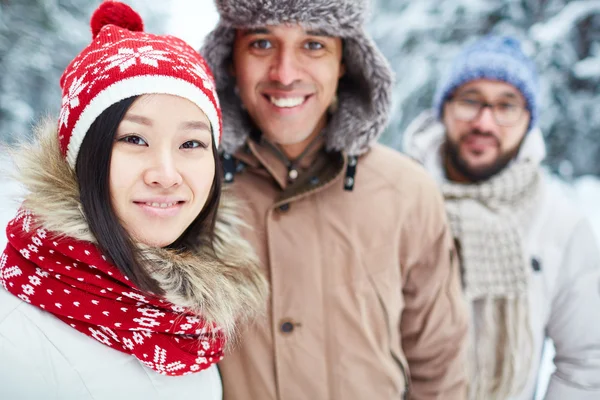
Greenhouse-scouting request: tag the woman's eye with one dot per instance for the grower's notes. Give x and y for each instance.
(262, 44)
(192, 144)
(314, 46)
(133, 139)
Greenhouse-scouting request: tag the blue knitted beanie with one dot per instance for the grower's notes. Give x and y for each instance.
(492, 57)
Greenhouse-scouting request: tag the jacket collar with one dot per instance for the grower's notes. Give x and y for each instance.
(318, 168)
(274, 161)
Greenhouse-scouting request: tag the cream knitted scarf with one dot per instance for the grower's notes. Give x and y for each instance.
(489, 220)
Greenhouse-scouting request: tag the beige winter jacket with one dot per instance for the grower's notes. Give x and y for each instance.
(366, 300)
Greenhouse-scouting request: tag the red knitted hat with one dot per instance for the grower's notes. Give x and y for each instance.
(123, 61)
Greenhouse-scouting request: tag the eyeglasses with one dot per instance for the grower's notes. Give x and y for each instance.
(505, 113)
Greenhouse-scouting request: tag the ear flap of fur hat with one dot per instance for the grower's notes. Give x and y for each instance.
(364, 92)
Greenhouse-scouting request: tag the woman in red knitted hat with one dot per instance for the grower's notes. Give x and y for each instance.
(124, 274)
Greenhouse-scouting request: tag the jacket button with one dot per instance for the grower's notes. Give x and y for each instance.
(287, 327)
(284, 207)
(536, 265)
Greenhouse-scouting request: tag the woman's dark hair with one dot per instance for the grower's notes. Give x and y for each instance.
(92, 169)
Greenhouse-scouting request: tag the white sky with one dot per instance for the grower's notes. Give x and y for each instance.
(192, 20)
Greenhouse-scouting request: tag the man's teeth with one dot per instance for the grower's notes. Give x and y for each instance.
(287, 102)
(161, 205)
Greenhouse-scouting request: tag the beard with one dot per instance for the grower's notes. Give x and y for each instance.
(481, 173)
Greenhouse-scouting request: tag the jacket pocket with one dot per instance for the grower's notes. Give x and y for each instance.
(366, 309)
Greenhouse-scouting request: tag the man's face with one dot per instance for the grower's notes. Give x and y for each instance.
(287, 78)
(482, 146)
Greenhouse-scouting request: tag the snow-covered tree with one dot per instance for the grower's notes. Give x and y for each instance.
(38, 38)
(421, 38)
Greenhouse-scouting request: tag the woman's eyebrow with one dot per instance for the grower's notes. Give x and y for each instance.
(138, 119)
(195, 125)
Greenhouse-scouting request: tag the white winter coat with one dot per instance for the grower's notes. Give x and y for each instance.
(42, 357)
(564, 292)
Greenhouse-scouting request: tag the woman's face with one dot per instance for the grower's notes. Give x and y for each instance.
(162, 168)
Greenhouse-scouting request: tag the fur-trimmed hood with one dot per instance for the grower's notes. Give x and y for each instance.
(226, 288)
(364, 92)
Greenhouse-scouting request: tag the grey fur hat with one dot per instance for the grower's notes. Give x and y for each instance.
(364, 92)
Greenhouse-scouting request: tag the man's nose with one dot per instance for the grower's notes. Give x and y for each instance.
(285, 68)
(485, 121)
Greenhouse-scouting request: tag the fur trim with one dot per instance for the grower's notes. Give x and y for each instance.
(335, 17)
(364, 92)
(226, 288)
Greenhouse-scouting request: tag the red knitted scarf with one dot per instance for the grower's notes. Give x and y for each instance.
(72, 280)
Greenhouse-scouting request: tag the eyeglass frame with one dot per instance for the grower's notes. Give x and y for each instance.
(483, 105)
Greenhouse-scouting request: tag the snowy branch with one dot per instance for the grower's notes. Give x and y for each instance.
(559, 26)
(587, 68)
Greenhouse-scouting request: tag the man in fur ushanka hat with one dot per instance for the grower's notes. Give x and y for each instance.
(366, 300)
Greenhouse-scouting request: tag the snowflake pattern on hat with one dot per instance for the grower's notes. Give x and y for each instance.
(73, 281)
(121, 63)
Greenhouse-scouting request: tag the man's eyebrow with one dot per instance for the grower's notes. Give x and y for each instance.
(266, 31)
(510, 95)
(318, 32)
(255, 31)
(468, 91)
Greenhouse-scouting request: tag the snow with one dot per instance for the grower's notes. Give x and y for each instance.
(587, 68)
(9, 193)
(554, 29)
(192, 20)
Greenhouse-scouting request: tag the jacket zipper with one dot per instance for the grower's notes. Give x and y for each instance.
(315, 189)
